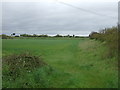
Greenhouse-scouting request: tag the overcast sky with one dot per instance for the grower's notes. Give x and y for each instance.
(58, 16)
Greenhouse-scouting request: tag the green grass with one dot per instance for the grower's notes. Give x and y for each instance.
(76, 63)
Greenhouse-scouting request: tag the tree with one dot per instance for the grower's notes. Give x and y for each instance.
(4, 36)
(73, 35)
(94, 35)
(58, 35)
(13, 34)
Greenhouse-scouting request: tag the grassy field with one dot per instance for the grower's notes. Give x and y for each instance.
(76, 63)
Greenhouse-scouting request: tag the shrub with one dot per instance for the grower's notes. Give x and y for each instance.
(17, 64)
(94, 35)
(6, 37)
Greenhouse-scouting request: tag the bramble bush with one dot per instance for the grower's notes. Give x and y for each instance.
(17, 64)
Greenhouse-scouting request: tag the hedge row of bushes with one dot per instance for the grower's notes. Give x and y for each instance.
(3, 36)
(110, 37)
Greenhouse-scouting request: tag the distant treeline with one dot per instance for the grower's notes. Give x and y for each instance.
(110, 37)
(4, 36)
(45, 35)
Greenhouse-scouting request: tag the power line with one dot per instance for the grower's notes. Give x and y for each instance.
(85, 10)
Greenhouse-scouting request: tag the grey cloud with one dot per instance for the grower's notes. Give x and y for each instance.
(56, 18)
